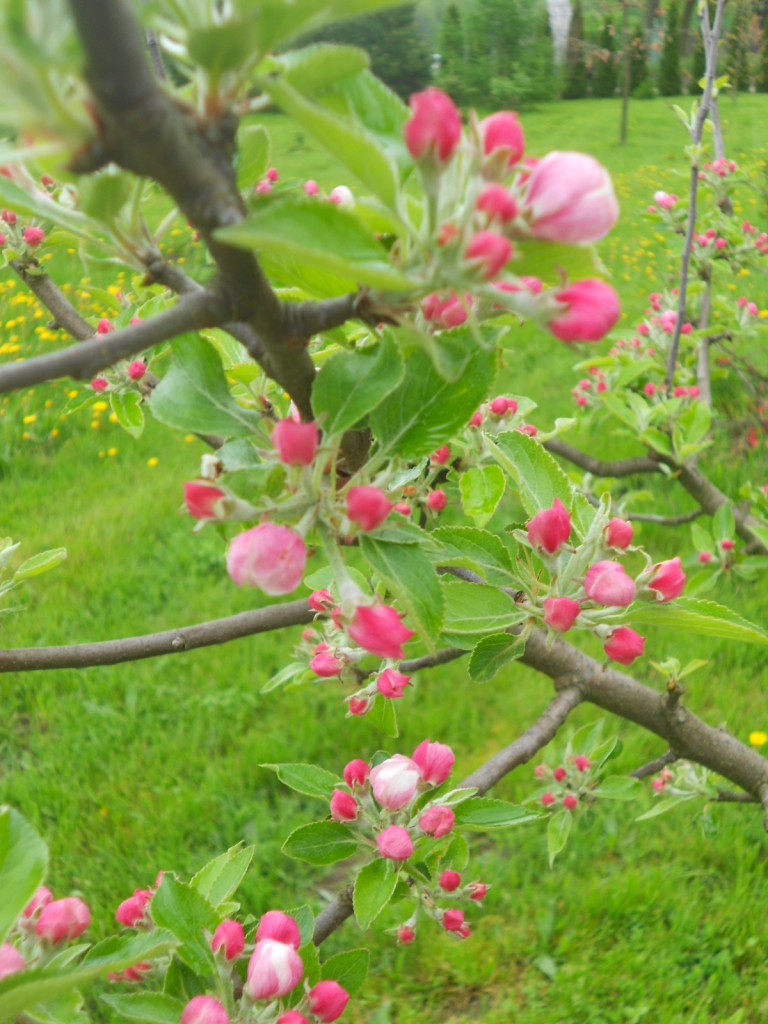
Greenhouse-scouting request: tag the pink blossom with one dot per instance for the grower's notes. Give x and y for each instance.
(392, 684)
(592, 310)
(445, 313)
(229, 937)
(548, 799)
(202, 500)
(560, 774)
(489, 252)
(668, 579)
(99, 384)
(63, 920)
(583, 764)
(441, 456)
(437, 500)
(324, 663)
(449, 881)
(434, 130)
(295, 443)
(11, 960)
(367, 506)
(8, 217)
(705, 557)
(560, 613)
(342, 196)
(311, 188)
(280, 927)
(132, 911)
(727, 545)
(33, 236)
(269, 557)
(395, 843)
(344, 807)
(263, 188)
(477, 891)
(395, 782)
(274, 970)
(550, 528)
(437, 821)
(203, 1010)
(607, 583)
(359, 706)
(137, 369)
(434, 760)
(664, 200)
(405, 935)
(327, 1001)
(570, 199)
(292, 1017)
(453, 921)
(41, 898)
(320, 601)
(379, 630)
(618, 534)
(624, 645)
(497, 203)
(502, 133)
(570, 802)
(356, 773)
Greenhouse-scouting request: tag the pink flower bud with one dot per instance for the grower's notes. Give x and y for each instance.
(279, 927)
(434, 130)
(441, 456)
(453, 921)
(489, 251)
(8, 217)
(560, 613)
(359, 706)
(541, 771)
(379, 631)
(230, 939)
(477, 891)
(296, 443)
(405, 935)
(618, 534)
(292, 1017)
(342, 196)
(325, 664)
(437, 501)
(137, 369)
(593, 309)
(204, 1010)
(705, 557)
(327, 1001)
(263, 188)
(392, 684)
(550, 528)
(559, 774)
(434, 760)
(269, 557)
(272, 174)
(394, 843)
(202, 500)
(502, 133)
(664, 200)
(63, 920)
(449, 881)
(132, 911)
(624, 645)
(608, 584)
(33, 236)
(11, 961)
(367, 506)
(668, 579)
(497, 203)
(570, 199)
(658, 785)
(583, 764)
(356, 773)
(395, 782)
(727, 545)
(320, 601)
(274, 970)
(344, 807)
(437, 822)
(99, 384)
(41, 898)
(104, 327)
(570, 802)
(311, 188)
(548, 799)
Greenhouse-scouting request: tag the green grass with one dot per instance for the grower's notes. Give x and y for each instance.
(153, 765)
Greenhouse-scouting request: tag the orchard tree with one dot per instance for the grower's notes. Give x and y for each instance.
(338, 353)
(575, 86)
(670, 81)
(605, 62)
(638, 65)
(738, 48)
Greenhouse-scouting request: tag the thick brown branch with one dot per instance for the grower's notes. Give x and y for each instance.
(203, 309)
(152, 645)
(602, 467)
(54, 300)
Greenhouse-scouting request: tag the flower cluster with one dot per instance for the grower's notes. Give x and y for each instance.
(18, 238)
(567, 785)
(44, 926)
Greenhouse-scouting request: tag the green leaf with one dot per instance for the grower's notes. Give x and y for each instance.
(320, 66)
(350, 385)
(349, 969)
(321, 842)
(23, 865)
(365, 99)
(127, 406)
(723, 523)
(224, 47)
(482, 488)
(305, 919)
(219, 879)
(483, 813)
(479, 550)
(103, 195)
(456, 853)
(38, 205)
(311, 960)
(383, 716)
(411, 576)
(193, 395)
(668, 803)
(40, 563)
(253, 154)
(558, 830)
(493, 653)
(374, 886)
(539, 478)
(181, 909)
(473, 610)
(549, 260)
(425, 410)
(349, 143)
(305, 232)
(705, 618)
(152, 1007)
(617, 787)
(306, 778)
(64, 1009)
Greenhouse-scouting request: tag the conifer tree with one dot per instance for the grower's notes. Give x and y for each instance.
(670, 83)
(575, 86)
(638, 58)
(738, 48)
(762, 68)
(605, 65)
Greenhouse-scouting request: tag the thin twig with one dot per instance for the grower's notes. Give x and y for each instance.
(654, 766)
(54, 300)
(650, 517)
(602, 467)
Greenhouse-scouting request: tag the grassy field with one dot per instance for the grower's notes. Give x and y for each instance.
(152, 765)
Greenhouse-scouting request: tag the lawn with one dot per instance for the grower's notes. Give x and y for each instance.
(152, 765)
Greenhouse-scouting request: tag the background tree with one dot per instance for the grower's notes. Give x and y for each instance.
(452, 55)
(638, 58)
(575, 86)
(670, 83)
(737, 48)
(604, 83)
(761, 80)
